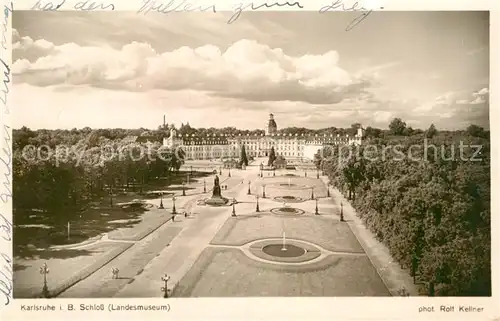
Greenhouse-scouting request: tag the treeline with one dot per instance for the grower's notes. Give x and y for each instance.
(63, 172)
(430, 207)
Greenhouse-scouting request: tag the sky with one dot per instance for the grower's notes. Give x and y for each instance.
(120, 69)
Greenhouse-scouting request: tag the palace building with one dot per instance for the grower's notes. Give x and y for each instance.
(287, 145)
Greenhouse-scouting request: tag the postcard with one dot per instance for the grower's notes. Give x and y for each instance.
(273, 160)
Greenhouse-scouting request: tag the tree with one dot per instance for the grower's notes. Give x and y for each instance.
(476, 131)
(434, 217)
(371, 132)
(272, 157)
(243, 156)
(431, 132)
(397, 126)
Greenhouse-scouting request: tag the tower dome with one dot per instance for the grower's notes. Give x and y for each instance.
(272, 128)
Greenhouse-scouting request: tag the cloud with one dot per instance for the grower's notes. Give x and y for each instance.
(460, 107)
(382, 116)
(247, 70)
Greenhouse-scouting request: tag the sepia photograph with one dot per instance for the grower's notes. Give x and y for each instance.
(279, 154)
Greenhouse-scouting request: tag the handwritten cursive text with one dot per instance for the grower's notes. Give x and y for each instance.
(91, 6)
(173, 6)
(6, 275)
(239, 8)
(5, 160)
(47, 6)
(7, 11)
(355, 6)
(4, 90)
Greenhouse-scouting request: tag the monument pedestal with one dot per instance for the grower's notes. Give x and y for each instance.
(216, 199)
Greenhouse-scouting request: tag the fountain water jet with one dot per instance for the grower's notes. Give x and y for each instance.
(284, 242)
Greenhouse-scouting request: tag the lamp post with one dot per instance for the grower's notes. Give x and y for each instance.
(327, 191)
(312, 193)
(204, 186)
(257, 209)
(316, 209)
(249, 192)
(229, 172)
(341, 212)
(191, 170)
(161, 200)
(165, 278)
(173, 206)
(234, 210)
(110, 196)
(44, 270)
(263, 191)
(183, 189)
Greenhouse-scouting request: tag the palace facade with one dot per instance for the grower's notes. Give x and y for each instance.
(225, 146)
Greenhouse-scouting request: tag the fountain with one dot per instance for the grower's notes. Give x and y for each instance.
(287, 210)
(289, 199)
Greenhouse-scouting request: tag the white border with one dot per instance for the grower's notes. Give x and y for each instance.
(368, 308)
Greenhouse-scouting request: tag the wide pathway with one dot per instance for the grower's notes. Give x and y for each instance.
(176, 259)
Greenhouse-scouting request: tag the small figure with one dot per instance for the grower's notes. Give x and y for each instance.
(115, 272)
(185, 214)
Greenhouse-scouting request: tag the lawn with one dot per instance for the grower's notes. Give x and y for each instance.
(225, 272)
(330, 234)
(300, 186)
(66, 267)
(130, 264)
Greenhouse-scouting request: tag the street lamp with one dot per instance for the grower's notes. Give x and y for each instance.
(173, 206)
(316, 209)
(110, 196)
(312, 193)
(161, 200)
(249, 192)
(204, 186)
(165, 278)
(183, 189)
(44, 270)
(341, 212)
(263, 191)
(257, 209)
(229, 174)
(327, 191)
(234, 210)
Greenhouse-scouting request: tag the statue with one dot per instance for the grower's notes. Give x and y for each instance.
(216, 191)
